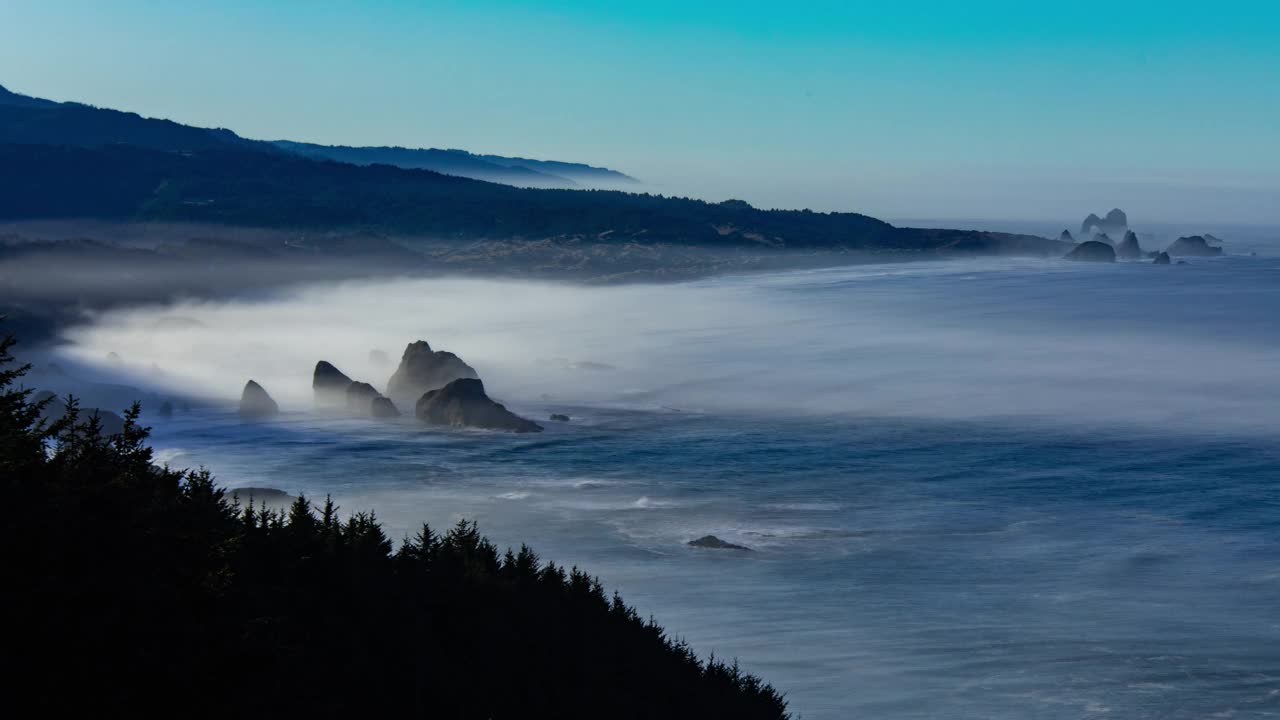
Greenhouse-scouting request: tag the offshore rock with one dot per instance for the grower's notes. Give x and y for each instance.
(463, 403)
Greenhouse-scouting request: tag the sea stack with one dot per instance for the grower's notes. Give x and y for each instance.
(330, 385)
(256, 403)
(1115, 223)
(382, 407)
(1092, 251)
(360, 397)
(1128, 249)
(715, 543)
(1161, 259)
(54, 410)
(1193, 246)
(463, 403)
(1066, 237)
(422, 369)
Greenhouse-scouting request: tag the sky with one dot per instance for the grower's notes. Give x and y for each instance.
(924, 109)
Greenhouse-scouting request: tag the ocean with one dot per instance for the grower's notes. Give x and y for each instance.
(990, 488)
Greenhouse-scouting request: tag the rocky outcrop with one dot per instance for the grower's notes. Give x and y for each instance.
(1066, 237)
(262, 497)
(715, 543)
(383, 408)
(364, 400)
(559, 417)
(55, 409)
(1092, 251)
(1128, 249)
(1193, 246)
(422, 369)
(1161, 259)
(330, 385)
(1115, 223)
(256, 403)
(360, 397)
(463, 403)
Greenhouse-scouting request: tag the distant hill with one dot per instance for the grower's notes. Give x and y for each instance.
(577, 172)
(31, 120)
(65, 160)
(255, 189)
(449, 162)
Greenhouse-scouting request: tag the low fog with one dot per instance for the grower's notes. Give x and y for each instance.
(1034, 340)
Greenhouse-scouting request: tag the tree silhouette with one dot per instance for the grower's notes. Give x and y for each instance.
(139, 589)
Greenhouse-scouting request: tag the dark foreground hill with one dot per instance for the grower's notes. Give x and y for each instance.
(137, 590)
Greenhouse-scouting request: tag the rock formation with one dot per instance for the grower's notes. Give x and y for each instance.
(422, 369)
(1092, 251)
(558, 417)
(463, 403)
(256, 403)
(1115, 223)
(1128, 249)
(360, 396)
(383, 408)
(711, 541)
(1193, 246)
(55, 409)
(262, 497)
(1161, 259)
(1066, 237)
(330, 385)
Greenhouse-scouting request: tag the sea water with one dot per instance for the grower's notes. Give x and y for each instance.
(970, 489)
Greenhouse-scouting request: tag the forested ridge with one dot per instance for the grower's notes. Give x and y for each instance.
(133, 588)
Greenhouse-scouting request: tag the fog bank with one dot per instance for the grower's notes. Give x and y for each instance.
(1130, 344)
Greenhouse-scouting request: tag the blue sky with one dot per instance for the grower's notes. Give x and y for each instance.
(912, 109)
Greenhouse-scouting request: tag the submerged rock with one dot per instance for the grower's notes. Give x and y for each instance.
(463, 403)
(422, 369)
(1092, 251)
(1193, 246)
(558, 417)
(1128, 247)
(1161, 259)
(256, 403)
(329, 384)
(715, 543)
